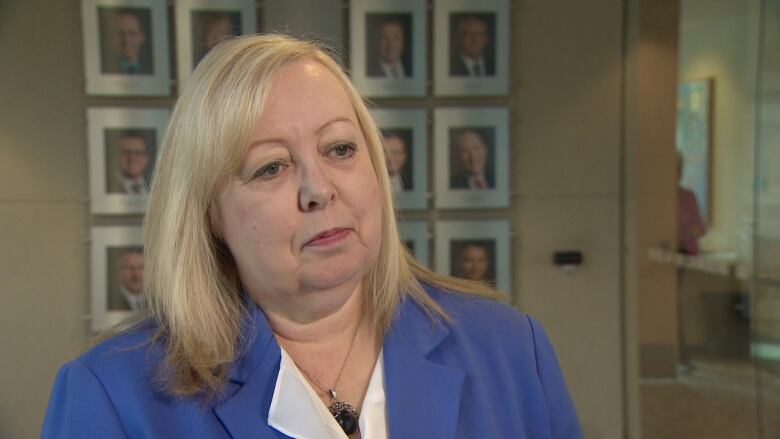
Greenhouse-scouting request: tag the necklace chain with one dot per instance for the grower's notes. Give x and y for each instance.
(331, 391)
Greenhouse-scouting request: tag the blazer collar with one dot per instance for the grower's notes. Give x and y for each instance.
(422, 397)
(243, 409)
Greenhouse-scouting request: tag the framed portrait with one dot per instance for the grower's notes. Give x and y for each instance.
(405, 137)
(693, 138)
(388, 47)
(414, 235)
(117, 274)
(202, 24)
(475, 250)
(123, 145)
(471, 154)
(126, 47)
(472, 41)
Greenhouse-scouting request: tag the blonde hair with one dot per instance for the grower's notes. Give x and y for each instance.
(191, 279)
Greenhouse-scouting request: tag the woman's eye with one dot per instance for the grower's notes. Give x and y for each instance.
(342, 150)
(270, 170)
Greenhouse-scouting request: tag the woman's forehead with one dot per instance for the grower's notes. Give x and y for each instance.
(305, 93)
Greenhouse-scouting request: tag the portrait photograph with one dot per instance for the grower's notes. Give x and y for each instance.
(473, 42)
(202, 24)
(126, 47)
(474, 259)
(471, 150)
(405, 137)
(117, 274)
(123, 146)
(414, 235)
(388, 47)
(475, 250)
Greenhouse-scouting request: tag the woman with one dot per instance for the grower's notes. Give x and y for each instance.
(282, 301)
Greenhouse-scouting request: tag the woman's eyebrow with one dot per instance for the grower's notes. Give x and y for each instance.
(337, 119)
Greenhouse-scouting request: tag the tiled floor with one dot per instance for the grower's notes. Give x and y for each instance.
(715, 399)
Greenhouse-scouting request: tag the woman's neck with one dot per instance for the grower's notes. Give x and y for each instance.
(337, 351)
(331, 328)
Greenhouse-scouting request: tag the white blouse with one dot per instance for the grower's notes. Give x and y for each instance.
(298, 412)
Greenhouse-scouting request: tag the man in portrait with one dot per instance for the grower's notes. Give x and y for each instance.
(131, 282)
(473, 261)
(472, 157)
(132, 160)
(473, 48)
(399, 159)
(126, 53)
(211, 27)
(387, 57)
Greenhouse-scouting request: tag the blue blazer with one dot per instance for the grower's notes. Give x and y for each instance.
(489, 373)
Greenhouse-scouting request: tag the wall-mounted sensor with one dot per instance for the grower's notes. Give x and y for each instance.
(568, 260)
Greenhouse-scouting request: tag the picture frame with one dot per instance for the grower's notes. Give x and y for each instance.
(476, 250)
(388, 47)
(117, 275)
(414, 235)
(201, 24)
(471, 155)
(405, 137)
(123, 146)
(694, 140)
(126, 47)
(472, 41)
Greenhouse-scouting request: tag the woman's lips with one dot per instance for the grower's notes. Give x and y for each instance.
(328, 237)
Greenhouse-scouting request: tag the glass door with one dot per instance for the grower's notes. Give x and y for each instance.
(766, 297)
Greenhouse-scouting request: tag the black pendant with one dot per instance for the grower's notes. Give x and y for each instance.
(345, 415)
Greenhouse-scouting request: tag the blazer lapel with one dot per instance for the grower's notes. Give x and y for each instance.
(243, 410)
(423, 397)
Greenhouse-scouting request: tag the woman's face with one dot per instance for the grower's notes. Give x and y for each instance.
(303, 215)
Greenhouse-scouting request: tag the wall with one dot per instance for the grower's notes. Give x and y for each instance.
(567, 70)
(566, 178)
(43, 210)
(651, 83)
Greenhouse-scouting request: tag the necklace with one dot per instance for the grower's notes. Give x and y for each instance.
(344, 412)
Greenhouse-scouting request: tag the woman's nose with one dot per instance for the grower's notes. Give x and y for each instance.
(316, 190)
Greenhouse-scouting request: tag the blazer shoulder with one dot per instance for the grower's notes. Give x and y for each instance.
(483, 317)
(125, 356)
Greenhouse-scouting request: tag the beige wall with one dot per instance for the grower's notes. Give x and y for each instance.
(43, 210)
(567, 148)
(651, 85)
(566, 114)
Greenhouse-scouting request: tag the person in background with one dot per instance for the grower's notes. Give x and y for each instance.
(389, 50)
(131, 38)
(690, 226)
(398, 159)
(131, 282)
(473, 262)
(133, 161)
(473, 53)
(472, 154)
